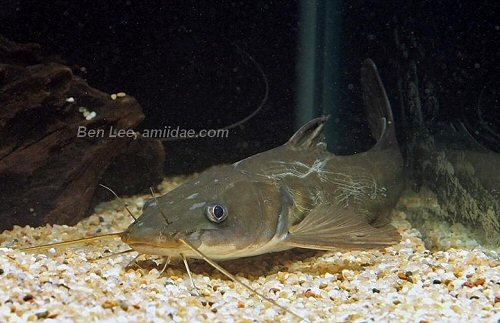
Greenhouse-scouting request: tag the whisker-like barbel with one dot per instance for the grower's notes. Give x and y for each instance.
(72, 242)
(114, 254)
(236, 280)
(120, 199)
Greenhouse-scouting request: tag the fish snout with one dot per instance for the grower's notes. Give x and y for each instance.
(139, 237)
(139, 233)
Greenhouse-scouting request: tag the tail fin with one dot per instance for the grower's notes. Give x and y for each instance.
(377, 107)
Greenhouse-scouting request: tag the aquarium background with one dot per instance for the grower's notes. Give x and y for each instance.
(197, 64)
(205, 65)
(182, 62)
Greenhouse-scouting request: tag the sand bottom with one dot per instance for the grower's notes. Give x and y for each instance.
(402, 283)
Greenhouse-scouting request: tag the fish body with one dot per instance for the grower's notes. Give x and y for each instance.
(295, 195)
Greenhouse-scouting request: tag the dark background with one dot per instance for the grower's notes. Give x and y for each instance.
(180, 60)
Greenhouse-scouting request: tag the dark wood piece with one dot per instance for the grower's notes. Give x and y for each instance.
(47, 173)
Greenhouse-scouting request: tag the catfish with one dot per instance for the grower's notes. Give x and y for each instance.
(295, 195)
(298, 195)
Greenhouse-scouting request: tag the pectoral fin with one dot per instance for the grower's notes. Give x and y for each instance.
(331, 227)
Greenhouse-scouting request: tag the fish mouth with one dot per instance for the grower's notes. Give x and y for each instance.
(162, 241)
(161, 245)
(170, 250)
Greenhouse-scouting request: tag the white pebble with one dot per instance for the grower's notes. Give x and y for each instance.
(91, 115)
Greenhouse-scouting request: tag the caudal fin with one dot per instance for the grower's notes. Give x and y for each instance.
(377, 107)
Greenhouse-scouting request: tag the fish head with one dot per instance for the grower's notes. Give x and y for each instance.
(223, 212)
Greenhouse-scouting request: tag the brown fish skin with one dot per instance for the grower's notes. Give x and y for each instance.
(295, 195)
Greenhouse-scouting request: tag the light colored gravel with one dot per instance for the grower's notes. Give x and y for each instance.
(404, 283)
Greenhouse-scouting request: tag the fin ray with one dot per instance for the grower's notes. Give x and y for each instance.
(329, 227)
(309, 135)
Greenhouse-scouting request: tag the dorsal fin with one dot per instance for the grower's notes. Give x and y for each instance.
(377, 106)
(309, 135)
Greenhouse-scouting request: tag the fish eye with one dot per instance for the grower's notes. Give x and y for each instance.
(216, 213)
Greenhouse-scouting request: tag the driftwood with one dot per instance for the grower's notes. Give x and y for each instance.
(47, 173)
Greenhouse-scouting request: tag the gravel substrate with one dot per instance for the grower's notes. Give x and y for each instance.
(403, 283)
